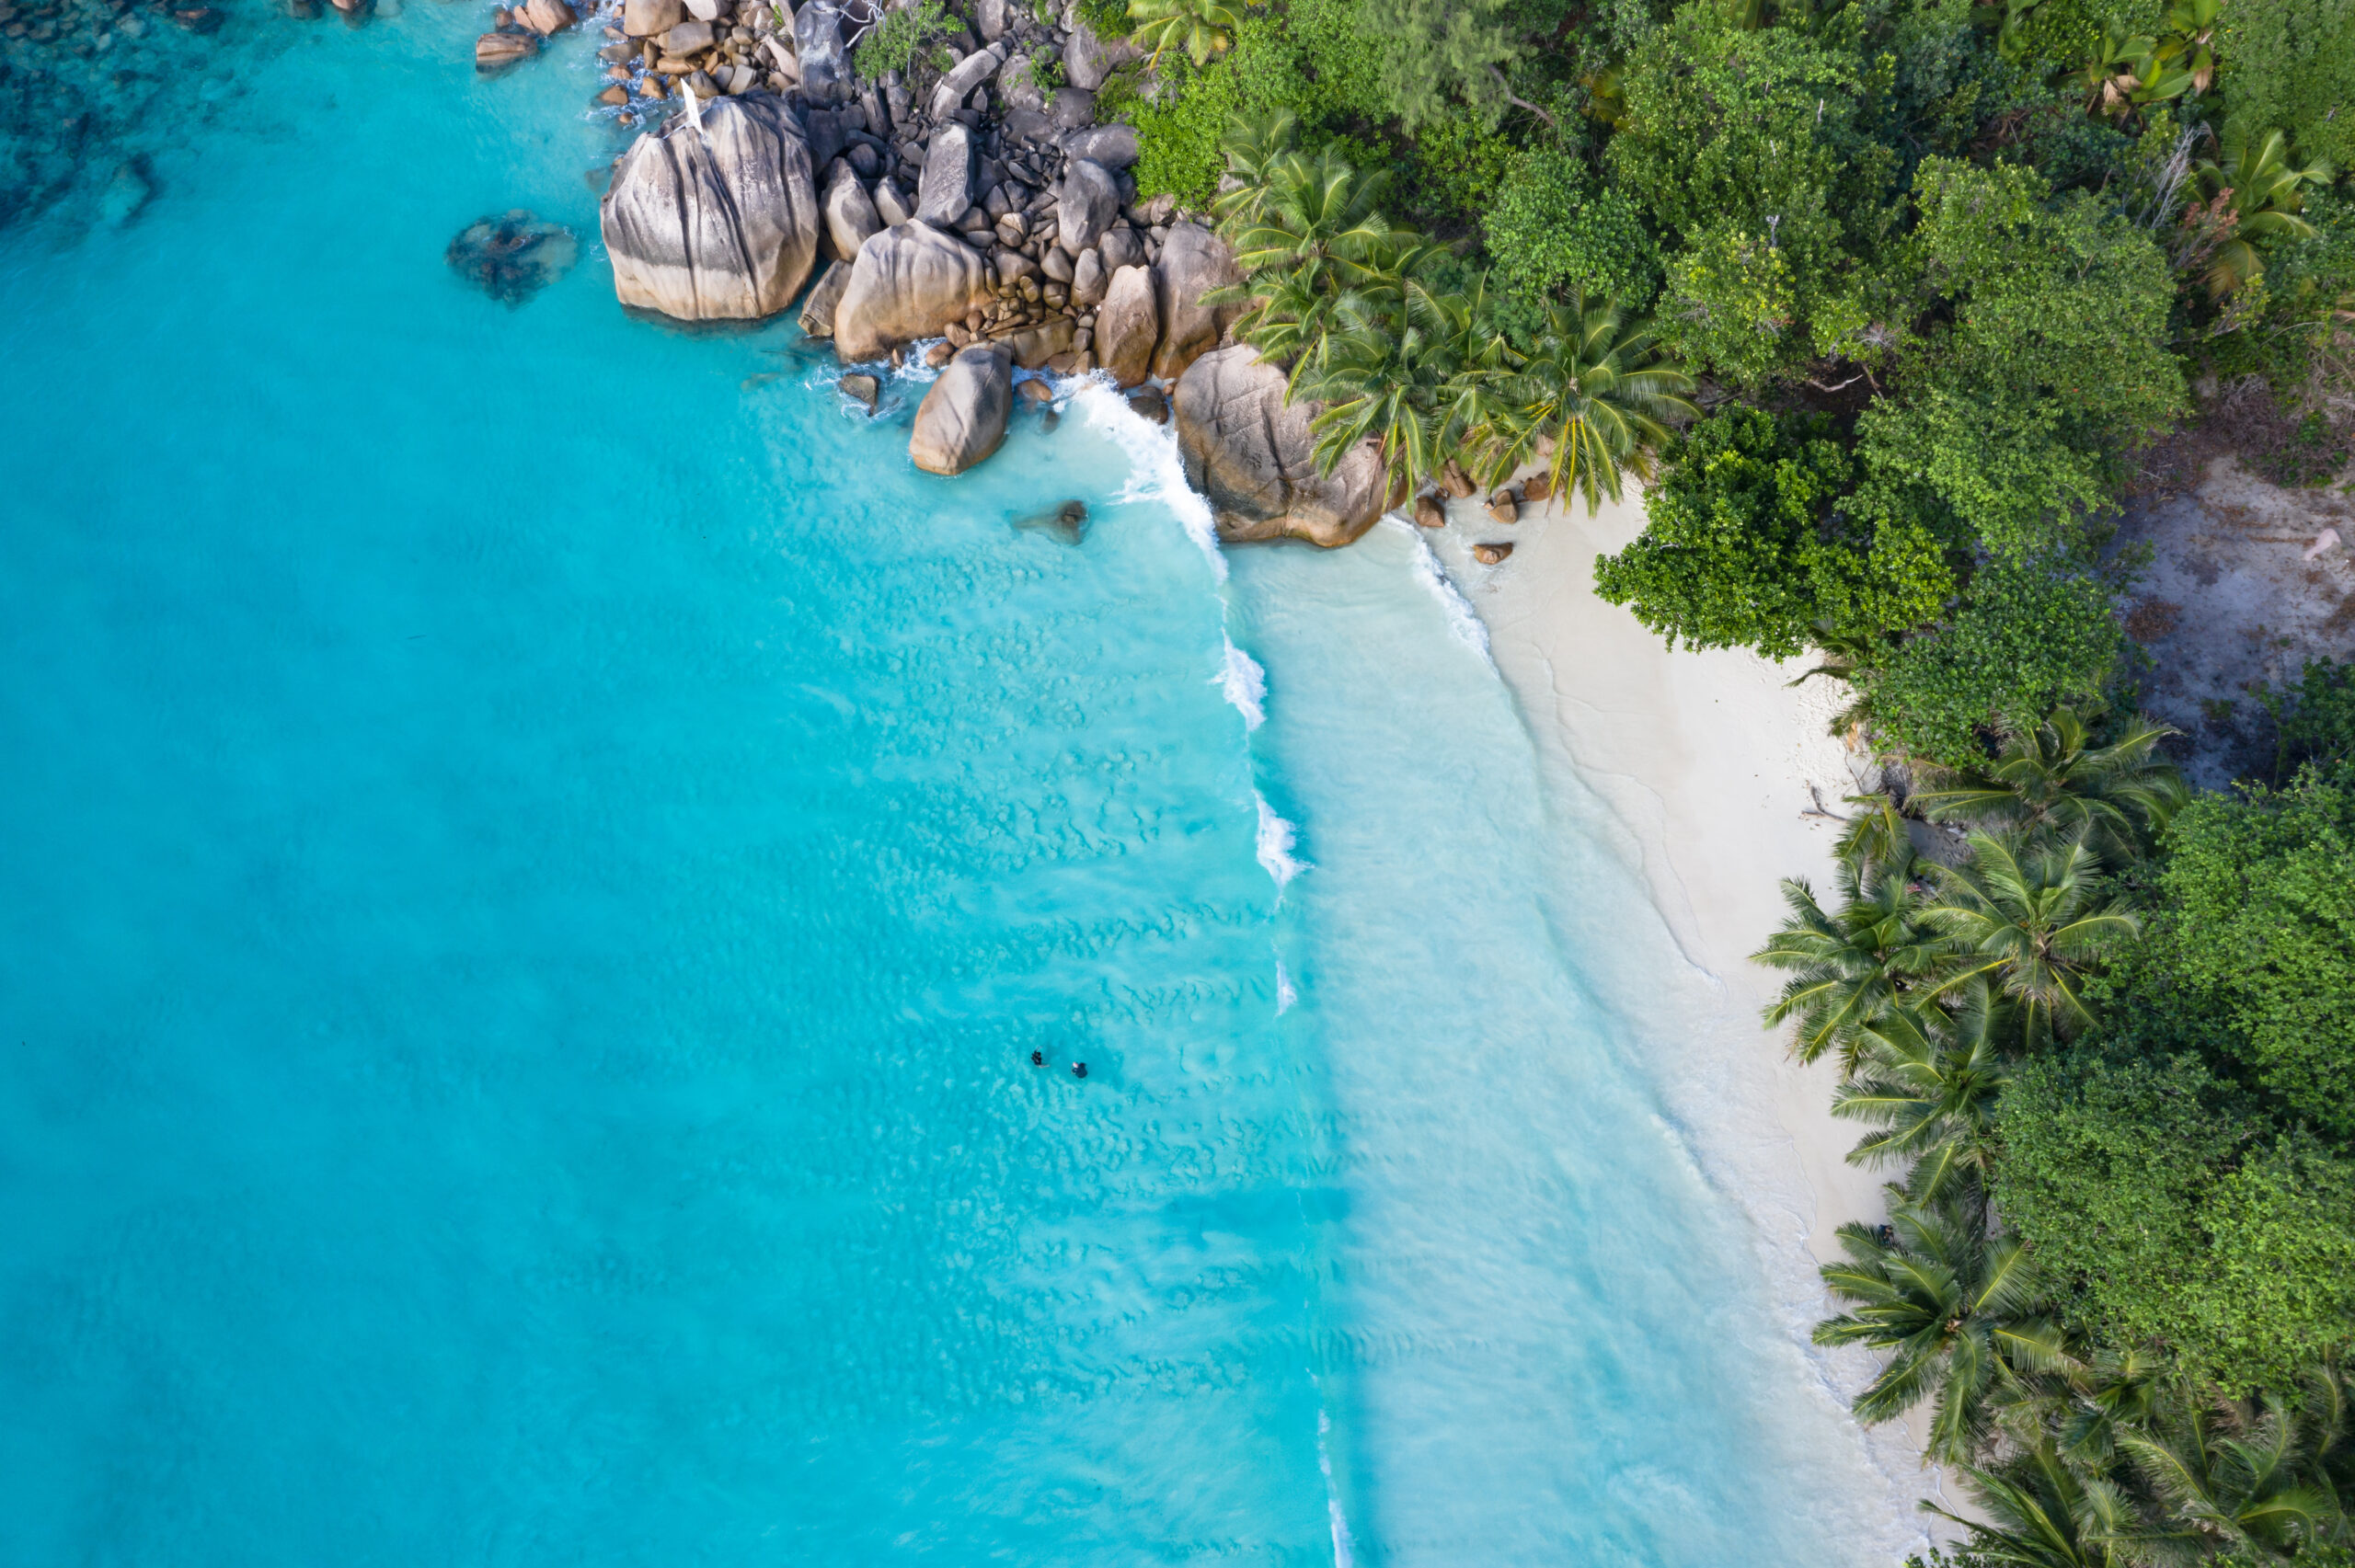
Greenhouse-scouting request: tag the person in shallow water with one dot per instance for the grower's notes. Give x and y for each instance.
(1038, 1059)
(1079, 1069)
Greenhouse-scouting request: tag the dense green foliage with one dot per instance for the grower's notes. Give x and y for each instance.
(1754, 540)
(2285, 65)
(2030, 634)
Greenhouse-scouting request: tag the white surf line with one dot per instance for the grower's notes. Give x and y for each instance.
(1462, 619)
(1154, 472)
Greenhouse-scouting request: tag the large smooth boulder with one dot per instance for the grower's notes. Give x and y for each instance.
(850, 213)
(818, 306)
(718, 226)
(1254, 456)
(647, 19)
(1122, 246)
(1087, 59)
(1114, 146)
(1020, 88)
(818, 48)
(962, 418)
(1089, 278)
(991, 18)
(908, 283)
(946, 188)
(1088, 204)
(1128, 324)
(1193, 262)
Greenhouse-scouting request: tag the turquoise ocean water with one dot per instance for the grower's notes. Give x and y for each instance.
(539, 850)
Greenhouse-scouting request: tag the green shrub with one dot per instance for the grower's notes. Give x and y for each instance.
(2259, 932)
(2288, 65)
(901, 36)
(1751, 542)
(2033, 634)
(2317, 717)
(2179, 1213)
(1554, 228)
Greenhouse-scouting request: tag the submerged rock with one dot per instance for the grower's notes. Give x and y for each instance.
(497, 51)
(718, 226)
(512, 255)
(1066, 523)
(861, 387)
(1252, 454)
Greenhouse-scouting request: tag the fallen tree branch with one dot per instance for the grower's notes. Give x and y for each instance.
(1522, 102)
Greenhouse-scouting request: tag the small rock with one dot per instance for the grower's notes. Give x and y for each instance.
(547, 18)
(1489, 554)
(1455, 481)
(1537, 487)
(649, 18)
(1035, 392)
(1503, 507)
(1114, 146)
(1147, 403)
(891, 206)
(1429, 513)
(938, 355)
(1090, 276)
(616, 96)
(686, 39)
(861, 387)
(497, 51)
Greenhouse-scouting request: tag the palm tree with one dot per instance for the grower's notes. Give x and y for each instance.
(1928, 1082)
(1960, 1310)
(2239, 1473)
(1397, 377)
(2031, 918)
(1308, 234)
(2053, 780)
(2041, 1513)
(2263, 192)
(1203, 27)
(1849, 968)
(1877, 832)
(1595, 384)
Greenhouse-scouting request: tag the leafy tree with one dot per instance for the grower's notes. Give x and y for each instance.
(2317, 716)
(2052, 779)
(1461, 50)
(1960, 1310)
(1928, 1082)
(2032, 917)
(1594, 384)
(1554, 228)
(1753, 540)
(2169, 1206)
(2055, 360)
(1745, 147)
(2031, 635)
(2259, 937)
(1849, 967)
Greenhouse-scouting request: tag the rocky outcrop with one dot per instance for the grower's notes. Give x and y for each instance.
(717, 226)
(649, 18)
(961, 79)
(947, 187)
(1193, 262)
(1128, 324)
(1114, 146)
(1088, 205)
(818, 306)
(908, 283)
(1252, 454)
(850, 214)
(962, 418)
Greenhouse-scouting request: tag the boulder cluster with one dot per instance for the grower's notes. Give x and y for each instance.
(956, 203)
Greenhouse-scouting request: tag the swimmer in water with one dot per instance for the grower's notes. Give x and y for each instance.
(1038, 1059)
(1079, 1069)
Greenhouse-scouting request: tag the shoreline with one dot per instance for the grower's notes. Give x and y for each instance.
(1702, 763)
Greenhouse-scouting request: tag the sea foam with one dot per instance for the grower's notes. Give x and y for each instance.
(1462, 619)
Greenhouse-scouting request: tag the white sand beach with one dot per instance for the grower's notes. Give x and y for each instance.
(1710, 762)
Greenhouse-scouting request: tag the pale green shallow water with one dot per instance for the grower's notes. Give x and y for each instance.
(535, 870)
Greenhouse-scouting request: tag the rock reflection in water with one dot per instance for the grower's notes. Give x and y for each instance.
(513, 255)
(1066, 524)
